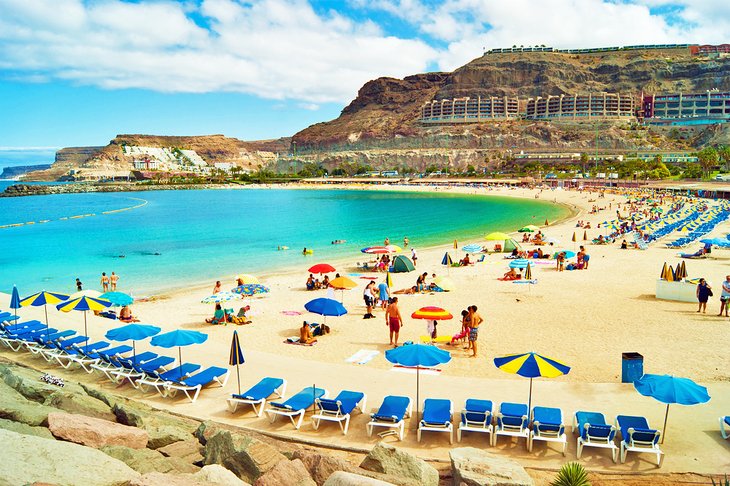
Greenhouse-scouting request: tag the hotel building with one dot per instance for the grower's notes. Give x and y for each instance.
(686, 109)
(470, 110)
(581, 107)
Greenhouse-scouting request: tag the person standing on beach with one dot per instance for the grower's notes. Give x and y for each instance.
(475, 321)
(369, 299)
(414, 256)
(104, 282)
(79, 285)
(113, 279)
(704, 292)
(393, 320)
(725, 296)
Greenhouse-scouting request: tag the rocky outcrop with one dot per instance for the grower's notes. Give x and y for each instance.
(247, 457)
(15, 407)
(286, 472)
(189, 450)
(476, 467)
(321, 466)
(21, 428)
(27, 459)
(95, 432)
(384, 458)
(341, 478)
(219, 475)
(146, 460)
(79, 404)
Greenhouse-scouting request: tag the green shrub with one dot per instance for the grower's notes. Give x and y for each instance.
(720, 482)
(571, 474)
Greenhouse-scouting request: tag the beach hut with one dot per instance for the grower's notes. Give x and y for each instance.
(402, 264)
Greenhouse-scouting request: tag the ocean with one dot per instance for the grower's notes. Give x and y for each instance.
(163, 240)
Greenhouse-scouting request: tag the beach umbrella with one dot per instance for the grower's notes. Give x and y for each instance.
(519, 263)
(417, 355)
(531, 365)
(497, 236)
(432, 313)
(671, 389)
(247, 279)
(670, 274)
(236, 357)
(220, 297)
(375, 250)
(132, 332)
(547, 223)
(573, 239)
(389, 280)
(568, 253)
(530, 228)
(446, 260)
(444, 283)
(179, 338)
(43, 298)
(84, 304)
(250, 289)
(344, 283)
(325, 307)
(585, 235)
(393, 249)
(473, 248)
(663, 274)
(119, 299)
(678, 272)
(683, 267)
(528, 272)
(15, 300)
(321, 268)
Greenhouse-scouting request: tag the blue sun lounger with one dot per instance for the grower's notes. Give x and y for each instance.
(437, 414)
(391, 414)
(136, 368)
(593, 431)
(476, 417)
(295, 406)
(636, 436)
(79, 354)
(46, 341)
(157, 380)
(725, 423)
(338, 409)
(512, 420)
(191, 385)
(548, 426)
(257, 394)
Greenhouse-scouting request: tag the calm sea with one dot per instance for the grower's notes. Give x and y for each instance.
(171, 239)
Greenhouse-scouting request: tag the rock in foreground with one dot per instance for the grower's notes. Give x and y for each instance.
(95, 432)
(475, 467)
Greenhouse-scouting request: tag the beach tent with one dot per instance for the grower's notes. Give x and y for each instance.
(510, 245)
(402, 264)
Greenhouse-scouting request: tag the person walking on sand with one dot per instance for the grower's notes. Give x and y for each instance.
(104, 282)
(475, 321)
(414, 256)
(393, 320)
(725, 296)
(79, 285)
(113, 279)
(704, 292)
(369, 299)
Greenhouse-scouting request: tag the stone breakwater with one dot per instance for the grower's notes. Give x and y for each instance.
(17, 190)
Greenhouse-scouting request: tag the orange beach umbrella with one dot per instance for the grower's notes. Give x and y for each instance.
(432, 313)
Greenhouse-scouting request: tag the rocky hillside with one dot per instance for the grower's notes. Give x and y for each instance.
(386, 110)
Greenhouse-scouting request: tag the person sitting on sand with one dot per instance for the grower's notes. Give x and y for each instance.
(465, 261)
(241, 317)
(325, 282)
(219, 317)
(305, 334)
(125, 315)
(310, 282)
(511, 275)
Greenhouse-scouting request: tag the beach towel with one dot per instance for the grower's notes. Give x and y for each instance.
(291, 313)
(459, 335)
(439, 339)
(362, 356)
(295, 340)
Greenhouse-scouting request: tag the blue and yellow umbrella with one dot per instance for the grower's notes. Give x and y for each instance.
(531, 365)
(43, 298)
(84, 304)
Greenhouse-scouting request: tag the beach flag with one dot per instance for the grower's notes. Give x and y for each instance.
(663, 274)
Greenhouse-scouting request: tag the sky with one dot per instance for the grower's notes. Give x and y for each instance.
(79, 72)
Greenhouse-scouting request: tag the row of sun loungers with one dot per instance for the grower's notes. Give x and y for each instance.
(146, 371)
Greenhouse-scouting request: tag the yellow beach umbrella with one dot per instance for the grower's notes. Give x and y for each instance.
(248, 279)
(497, 236)
(444, 283)
(663, 274)
(343, 283)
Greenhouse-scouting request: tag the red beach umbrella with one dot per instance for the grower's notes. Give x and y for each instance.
(322, 268)
(432, 313)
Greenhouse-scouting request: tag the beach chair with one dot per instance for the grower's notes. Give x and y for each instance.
(636, 436)
(295, 406)
(136, 367)
(80, 354)
(46, 341)
(512, 420)
(437, 414)
(593, 431)
(59, 346)
(548, 426)
(725, 423)
(157, 380)
(476, 417)
(191, 385)
(391, 414)
(338, 409)
(257, 394)
(24, 337)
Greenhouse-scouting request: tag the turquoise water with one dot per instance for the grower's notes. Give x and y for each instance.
(176, 238)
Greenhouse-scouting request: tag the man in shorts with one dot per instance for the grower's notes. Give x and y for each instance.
(475, 321)
(393, 320)
(725, 296)
(104, 282)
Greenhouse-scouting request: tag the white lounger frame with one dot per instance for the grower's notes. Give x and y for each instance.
(641, 447)
(510, 430)
(438, 428)
(548, 436)
(597, 442)
(399, 426)
(723, 431)
(192, 392)
(337, 416)
(273, 413)
(471, 426)
(234, 402)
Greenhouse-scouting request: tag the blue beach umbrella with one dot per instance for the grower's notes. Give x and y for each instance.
(236, 357)
(531, 365)
(43, 298)
(519, 263)
(220, 297)
(473, 248)
(15, 300)
(671, 389)
(84, 304)
(325, 307)
(417, 355)
(568, 253)
(132, 332)
(179, 338)
(446, 260)
(119, 299)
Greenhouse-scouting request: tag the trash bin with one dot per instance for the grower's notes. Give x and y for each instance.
(632, 367)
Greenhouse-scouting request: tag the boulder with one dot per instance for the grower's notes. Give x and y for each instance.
(163, 429)
(247, 457)
(34, 459)
(95, 432)
(21, 428)
(164, 434)
(15, 407)
(473, 467)
(166, 479)
(217, 474)
(81, 404)
(342, 478)
(146, 460)
(27, 382)
(287, 472)
(189, 450)
(321, 466)
(384, 458)
(206, 430)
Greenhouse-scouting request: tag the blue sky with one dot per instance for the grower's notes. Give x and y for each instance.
(78, 72)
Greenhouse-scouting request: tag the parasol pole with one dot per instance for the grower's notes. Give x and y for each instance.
(238, 376)
(86, 332)
(529, 399)
(664, 429)
(45, 309)
(418, 387)
(179, 357)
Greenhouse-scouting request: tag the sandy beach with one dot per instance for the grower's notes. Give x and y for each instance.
(586, 319)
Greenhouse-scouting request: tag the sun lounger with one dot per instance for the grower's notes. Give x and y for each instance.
(391, 414)
(547, 425)
(437, 417)
(724, 425)
(158, 380)
(80, 354)
(295, 406)
(136, 368)
(338, 409)
(593, 431)
(59, 346)
(512, 421)
(476, 417)
(257, 394)
(25, 337)
(192, 385)
(636, 436)
(46, 341)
